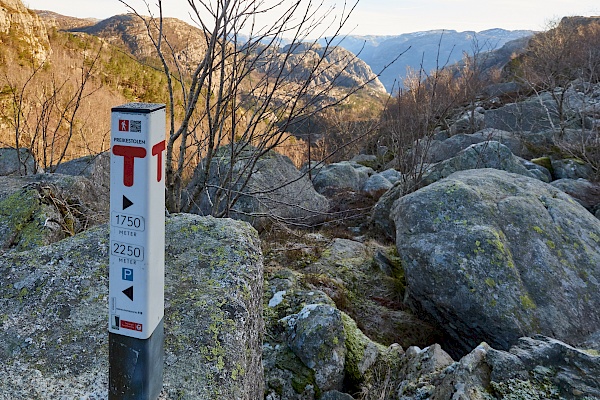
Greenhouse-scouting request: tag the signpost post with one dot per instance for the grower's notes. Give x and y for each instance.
(137, 247)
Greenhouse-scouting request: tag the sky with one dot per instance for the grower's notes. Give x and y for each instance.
(382, 17)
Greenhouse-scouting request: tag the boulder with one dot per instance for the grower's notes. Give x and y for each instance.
(585, 192)
(391, 175)
(417, 365)
(370, 294)
(342, 175)
(535, 368)
(540, 172)
(536, 114)
(96, 168)
(367, 160)
(493, 256)
(442, 150)
(37, 210)
(275, 191)
(54, 338)
(16, 163)
(376, 185)
(469, 122)
(490, 154)
(380, 218)
(448, 148)
(571, 168)
(316, 336)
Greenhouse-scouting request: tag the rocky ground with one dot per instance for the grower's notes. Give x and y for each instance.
(482, 284)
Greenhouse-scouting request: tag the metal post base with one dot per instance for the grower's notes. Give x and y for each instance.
(136, 366)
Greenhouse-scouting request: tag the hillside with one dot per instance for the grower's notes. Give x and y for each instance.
(116, 60)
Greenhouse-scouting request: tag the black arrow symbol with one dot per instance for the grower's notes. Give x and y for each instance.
(126, 203)
(129, 292)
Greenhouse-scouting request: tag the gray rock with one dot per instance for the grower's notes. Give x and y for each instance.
(342, 175)
(54, 339)
(481, 155)
(501, 89)
(311, 167)
(10, 165)
(585, 192)
(468, 123)
(532, 115)
(96, 168)
(574, 373)
(494, 256)
(376, 185)
(371, 296)
(37, 210)
(536, 367)
(275, 191)
(367, 160)
(380, 217)
(316, 336)
(335, 395)
(391, 175)
(571, 169)
(443, 150)
(418, 364)
(537, 170)
(467, 379)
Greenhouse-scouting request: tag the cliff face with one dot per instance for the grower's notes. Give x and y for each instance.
(18, 24)
(338, 65)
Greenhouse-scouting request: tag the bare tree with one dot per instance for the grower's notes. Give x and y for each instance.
(238, 101)
(410, 121)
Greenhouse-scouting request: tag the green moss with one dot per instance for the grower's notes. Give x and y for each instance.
(545, 162)
(490, 282)
(302, 376)
(502, 255)
(18, 211)
(527, 303)
(538, 229)
(356, 343)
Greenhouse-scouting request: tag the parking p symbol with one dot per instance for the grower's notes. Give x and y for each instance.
(127, 274)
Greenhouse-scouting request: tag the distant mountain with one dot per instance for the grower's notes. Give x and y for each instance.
(189, 43)
(432, 49)
(63, 22)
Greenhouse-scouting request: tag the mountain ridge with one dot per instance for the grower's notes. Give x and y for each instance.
(377, 51)
(422, 48)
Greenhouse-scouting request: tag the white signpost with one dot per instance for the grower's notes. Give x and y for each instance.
(137, 243)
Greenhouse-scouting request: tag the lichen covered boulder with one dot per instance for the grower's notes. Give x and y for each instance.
(53, 301)
(536, 367)
(493, 256)
(489, 154)
(37, 210)
(316, 336)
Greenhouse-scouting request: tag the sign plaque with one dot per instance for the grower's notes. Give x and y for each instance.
(137, 243)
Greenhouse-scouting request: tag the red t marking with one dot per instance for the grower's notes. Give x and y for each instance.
(129, 153)
(157, 150)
